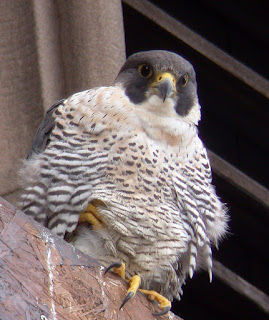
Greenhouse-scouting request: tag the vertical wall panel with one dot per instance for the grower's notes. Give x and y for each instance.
(20, 103)
(49, 51)
(92, 40)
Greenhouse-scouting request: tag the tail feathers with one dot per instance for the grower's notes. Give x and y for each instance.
(193, 258)
(209, 263)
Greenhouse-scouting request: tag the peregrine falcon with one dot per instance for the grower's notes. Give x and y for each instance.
(121, 173)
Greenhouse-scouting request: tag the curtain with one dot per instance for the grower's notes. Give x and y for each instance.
(49, 50)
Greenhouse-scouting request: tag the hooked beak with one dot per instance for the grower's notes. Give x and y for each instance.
(164, 85)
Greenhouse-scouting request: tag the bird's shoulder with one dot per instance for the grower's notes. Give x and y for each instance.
(90, 111)
(95, 109)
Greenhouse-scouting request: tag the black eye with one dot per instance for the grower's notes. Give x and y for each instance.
(145, 71)
(184, 80)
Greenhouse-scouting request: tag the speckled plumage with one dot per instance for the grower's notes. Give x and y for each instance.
(145, 162)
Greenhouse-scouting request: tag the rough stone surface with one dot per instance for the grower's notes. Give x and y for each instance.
(44, 277)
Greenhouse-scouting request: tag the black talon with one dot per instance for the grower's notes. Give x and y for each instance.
(161, 313)
(128, 297)
(113, 265)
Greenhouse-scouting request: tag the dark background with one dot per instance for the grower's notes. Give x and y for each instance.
(235, 121)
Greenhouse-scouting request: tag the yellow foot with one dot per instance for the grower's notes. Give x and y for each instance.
(92, 216)
(164, 304)
(118, 268)
(134, 283)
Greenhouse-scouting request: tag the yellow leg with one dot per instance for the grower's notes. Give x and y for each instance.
(120, 270)
(164, 304)
(92, 216)
(134, 284)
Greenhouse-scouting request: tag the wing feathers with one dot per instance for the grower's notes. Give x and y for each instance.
(42, 135)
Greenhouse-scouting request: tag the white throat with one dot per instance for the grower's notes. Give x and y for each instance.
(161, 122)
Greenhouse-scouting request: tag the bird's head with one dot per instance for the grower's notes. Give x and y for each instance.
(162, 80)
